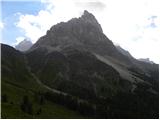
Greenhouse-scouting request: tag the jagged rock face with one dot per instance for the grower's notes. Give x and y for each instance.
(89, 18)
(78, 31)
(24, 45)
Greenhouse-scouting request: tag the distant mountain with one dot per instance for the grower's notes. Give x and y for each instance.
(24, 45)
(126, 53)
(146, 60)
(85, 72)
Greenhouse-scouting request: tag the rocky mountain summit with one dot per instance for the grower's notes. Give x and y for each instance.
(71, 33)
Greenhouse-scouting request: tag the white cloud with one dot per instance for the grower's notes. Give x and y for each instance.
(35, 26)
(124, 21)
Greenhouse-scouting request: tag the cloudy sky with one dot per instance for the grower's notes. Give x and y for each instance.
(132, 24)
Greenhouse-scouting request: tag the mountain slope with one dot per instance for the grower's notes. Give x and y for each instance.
(74, 68)
(14, 68)
(17, 82)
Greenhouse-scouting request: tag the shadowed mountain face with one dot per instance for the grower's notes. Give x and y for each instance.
(77, 59)
(73, 69)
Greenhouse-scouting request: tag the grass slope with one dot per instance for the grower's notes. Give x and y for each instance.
(12, 109)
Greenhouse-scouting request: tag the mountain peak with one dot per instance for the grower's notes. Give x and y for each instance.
(81, 31)
(88, 17)
(86, 13)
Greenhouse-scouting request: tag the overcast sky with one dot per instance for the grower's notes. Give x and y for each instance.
(132, 24)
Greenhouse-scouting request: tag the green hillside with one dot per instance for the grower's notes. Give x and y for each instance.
(21, 94)
(11, 107)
